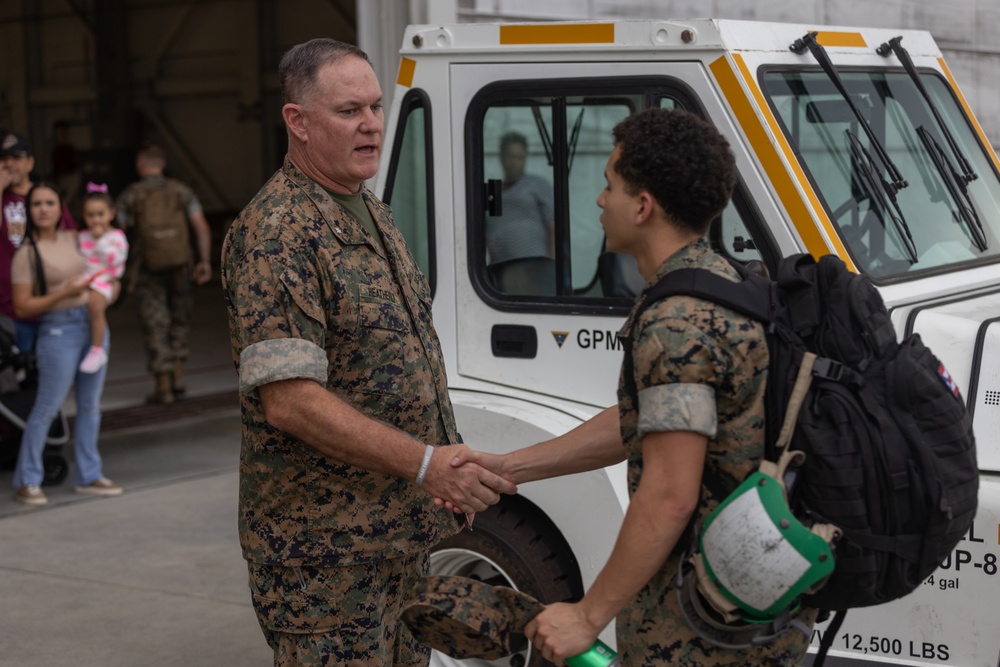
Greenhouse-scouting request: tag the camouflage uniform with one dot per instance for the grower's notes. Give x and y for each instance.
(468, 618)
(309, 295)
(165, 298)
(698, 367)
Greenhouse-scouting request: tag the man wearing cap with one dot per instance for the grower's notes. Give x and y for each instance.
(17, 161)
(689, 423)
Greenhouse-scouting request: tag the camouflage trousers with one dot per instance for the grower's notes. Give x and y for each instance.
(338, 616)
(165, 300)
(651, 632)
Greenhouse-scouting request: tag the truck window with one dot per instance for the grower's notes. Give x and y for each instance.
(936, 219)
(409, 185)
(536, 170)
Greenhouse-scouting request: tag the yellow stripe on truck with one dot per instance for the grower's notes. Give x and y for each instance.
(835, 39)
(575, 33)
(968, 112)
(803, 215)
(407, 66)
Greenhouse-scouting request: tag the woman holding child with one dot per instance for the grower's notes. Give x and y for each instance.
(49, 277)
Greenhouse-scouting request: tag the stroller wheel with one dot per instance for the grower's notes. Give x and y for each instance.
(56, 469)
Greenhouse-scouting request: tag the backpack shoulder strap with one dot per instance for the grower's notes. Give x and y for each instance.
(751, 296)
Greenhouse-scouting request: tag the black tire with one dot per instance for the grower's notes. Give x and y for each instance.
(512, 544)
(56, 468)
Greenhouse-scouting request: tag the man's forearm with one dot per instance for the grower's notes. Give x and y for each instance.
(307, 411)
(594, 444)
(648, 535)
(203, 237)
(310, 413)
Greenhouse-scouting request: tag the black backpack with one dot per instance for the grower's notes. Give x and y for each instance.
(891, 457)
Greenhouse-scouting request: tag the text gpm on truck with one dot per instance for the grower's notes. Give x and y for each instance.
(849, 141)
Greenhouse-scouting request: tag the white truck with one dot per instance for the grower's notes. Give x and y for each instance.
(853, 141)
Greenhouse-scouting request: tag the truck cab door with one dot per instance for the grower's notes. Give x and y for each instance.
(539, 300)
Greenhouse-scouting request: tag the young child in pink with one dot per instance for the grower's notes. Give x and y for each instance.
(105, 250)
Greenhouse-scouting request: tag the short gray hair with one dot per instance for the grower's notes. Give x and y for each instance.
(298, 67)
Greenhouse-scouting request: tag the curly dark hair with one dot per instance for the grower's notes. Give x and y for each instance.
(681, 160)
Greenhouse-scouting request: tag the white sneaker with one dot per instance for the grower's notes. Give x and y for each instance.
(94, 361)
(31, 494)
(102, 486)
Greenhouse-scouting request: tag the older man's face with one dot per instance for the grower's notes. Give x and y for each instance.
(343, 122)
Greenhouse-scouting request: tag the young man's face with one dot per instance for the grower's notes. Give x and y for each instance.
(343, 121)
(618, 209)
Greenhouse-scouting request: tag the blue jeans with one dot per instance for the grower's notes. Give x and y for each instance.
(63, 341)
(25, 335)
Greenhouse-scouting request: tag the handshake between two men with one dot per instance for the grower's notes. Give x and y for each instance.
(464, 480)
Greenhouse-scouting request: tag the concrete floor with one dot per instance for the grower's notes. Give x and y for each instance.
(154, 577)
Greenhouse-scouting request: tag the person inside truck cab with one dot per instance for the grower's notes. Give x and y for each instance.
(690, 424)
(519, 242)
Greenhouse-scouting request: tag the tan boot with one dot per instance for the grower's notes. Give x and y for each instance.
(163, 393)
(176, 379)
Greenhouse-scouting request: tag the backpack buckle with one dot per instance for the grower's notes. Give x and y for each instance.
(828, 369)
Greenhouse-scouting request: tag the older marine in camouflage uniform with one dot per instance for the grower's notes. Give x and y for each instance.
(703, 368)
(308, 295)
(347, 426)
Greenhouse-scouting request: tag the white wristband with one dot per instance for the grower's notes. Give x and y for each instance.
(424, 465)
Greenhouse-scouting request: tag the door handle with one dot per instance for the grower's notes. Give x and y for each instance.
(515, 341)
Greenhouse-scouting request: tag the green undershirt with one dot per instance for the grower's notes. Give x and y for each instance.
(355, 205)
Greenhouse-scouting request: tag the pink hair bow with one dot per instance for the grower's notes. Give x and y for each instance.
(97, 187)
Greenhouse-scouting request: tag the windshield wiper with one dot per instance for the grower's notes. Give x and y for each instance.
(957, 187)
(543, 132)
(895, 46)
(574, 138)
(880, 194)
(897, 182)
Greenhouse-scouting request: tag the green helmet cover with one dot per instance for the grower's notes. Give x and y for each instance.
(758, 554)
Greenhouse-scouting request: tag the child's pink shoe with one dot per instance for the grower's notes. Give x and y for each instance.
(94, 361)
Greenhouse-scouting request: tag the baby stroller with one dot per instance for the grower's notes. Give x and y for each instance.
(18, 385)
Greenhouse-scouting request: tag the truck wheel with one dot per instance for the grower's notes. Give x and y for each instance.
(56, 468)
(511, 544)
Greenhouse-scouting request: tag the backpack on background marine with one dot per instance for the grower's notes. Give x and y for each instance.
(163, 237)
(880, 460)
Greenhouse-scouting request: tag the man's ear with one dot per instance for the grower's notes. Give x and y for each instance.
(295, 120)
(645, 207)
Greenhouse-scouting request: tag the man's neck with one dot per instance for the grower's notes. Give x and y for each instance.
(21, 188)
(303, 164)
(660, 249)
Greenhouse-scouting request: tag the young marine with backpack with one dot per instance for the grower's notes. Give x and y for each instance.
(159, 213)
(692, 429)
(855, 476)
(884, 469)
